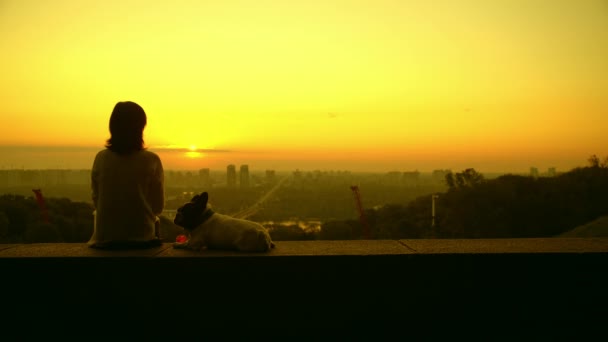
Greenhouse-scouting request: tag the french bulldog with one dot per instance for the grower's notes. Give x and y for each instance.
(212, 230)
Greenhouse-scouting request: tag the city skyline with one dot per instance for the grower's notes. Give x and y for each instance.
(33, 158)
(43, 160)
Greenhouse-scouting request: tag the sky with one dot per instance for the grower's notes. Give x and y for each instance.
(376, 85)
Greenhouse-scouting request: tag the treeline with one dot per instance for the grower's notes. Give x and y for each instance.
(509, 206)
(23, 221)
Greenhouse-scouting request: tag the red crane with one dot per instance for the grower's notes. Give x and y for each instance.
(362, 218)
(41, 204)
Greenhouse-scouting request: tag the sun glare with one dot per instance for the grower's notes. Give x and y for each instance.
(194, 154)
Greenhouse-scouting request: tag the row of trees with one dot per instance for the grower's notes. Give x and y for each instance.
(21, 220)
(509, 206)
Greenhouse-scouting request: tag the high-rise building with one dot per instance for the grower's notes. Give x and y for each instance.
(244, 176)
(297, 175)
(410, 178)
(177, 178)
(392, 178)
(231, 176)
(3, 178)
(534, 172)
(204, 177)
(188, 179)
(270, 176)
(551, 172)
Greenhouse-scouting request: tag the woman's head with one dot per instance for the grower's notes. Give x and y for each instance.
(127, 124)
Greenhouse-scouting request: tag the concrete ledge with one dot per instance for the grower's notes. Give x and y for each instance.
(509, 246)
(352, 288)
(330, 248)
(283, 248)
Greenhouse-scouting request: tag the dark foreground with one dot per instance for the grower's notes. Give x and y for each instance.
(483, 289)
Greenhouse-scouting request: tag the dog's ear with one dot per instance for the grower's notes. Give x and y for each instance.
(195, 198)
(204, 199)
(201, 200)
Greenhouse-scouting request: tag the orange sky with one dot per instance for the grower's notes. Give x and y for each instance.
(364, 85)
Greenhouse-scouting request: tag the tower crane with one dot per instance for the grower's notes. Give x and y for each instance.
(41, 203)
(362, 218)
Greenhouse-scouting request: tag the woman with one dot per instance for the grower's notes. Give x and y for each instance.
(128, 185)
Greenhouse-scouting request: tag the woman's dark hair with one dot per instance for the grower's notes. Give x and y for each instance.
(127, 124)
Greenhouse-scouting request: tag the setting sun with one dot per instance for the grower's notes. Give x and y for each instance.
(193, 155)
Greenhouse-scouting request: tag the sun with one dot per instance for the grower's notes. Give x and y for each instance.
(193, 152)
(194, 155)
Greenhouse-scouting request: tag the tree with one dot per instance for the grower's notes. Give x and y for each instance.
(472, 177)
(19, 211)
(337, 230)
(449, 179)
(466, 178)
(41, 231)
(594, 161)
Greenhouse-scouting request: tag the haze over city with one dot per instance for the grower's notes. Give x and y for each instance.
(499, 86)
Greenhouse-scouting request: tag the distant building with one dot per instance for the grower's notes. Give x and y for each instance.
(392, 178)
(551, 172)
(410, 178)
(83, 177)
(3, 178)
(175, 178)
(231, 176)
(271, 176)
(188, 179)
(169, 178)
(30, 177)
(39, 178)
(51, 177)
(244, 176)
(14, 178)
(534, 172)
(204, 177)
(297, 175)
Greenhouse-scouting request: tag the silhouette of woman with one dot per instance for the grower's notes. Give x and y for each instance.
(127, 183)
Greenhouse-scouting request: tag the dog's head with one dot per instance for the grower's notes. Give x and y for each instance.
(190, 215)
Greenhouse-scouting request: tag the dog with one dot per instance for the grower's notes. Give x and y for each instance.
(212, 230)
